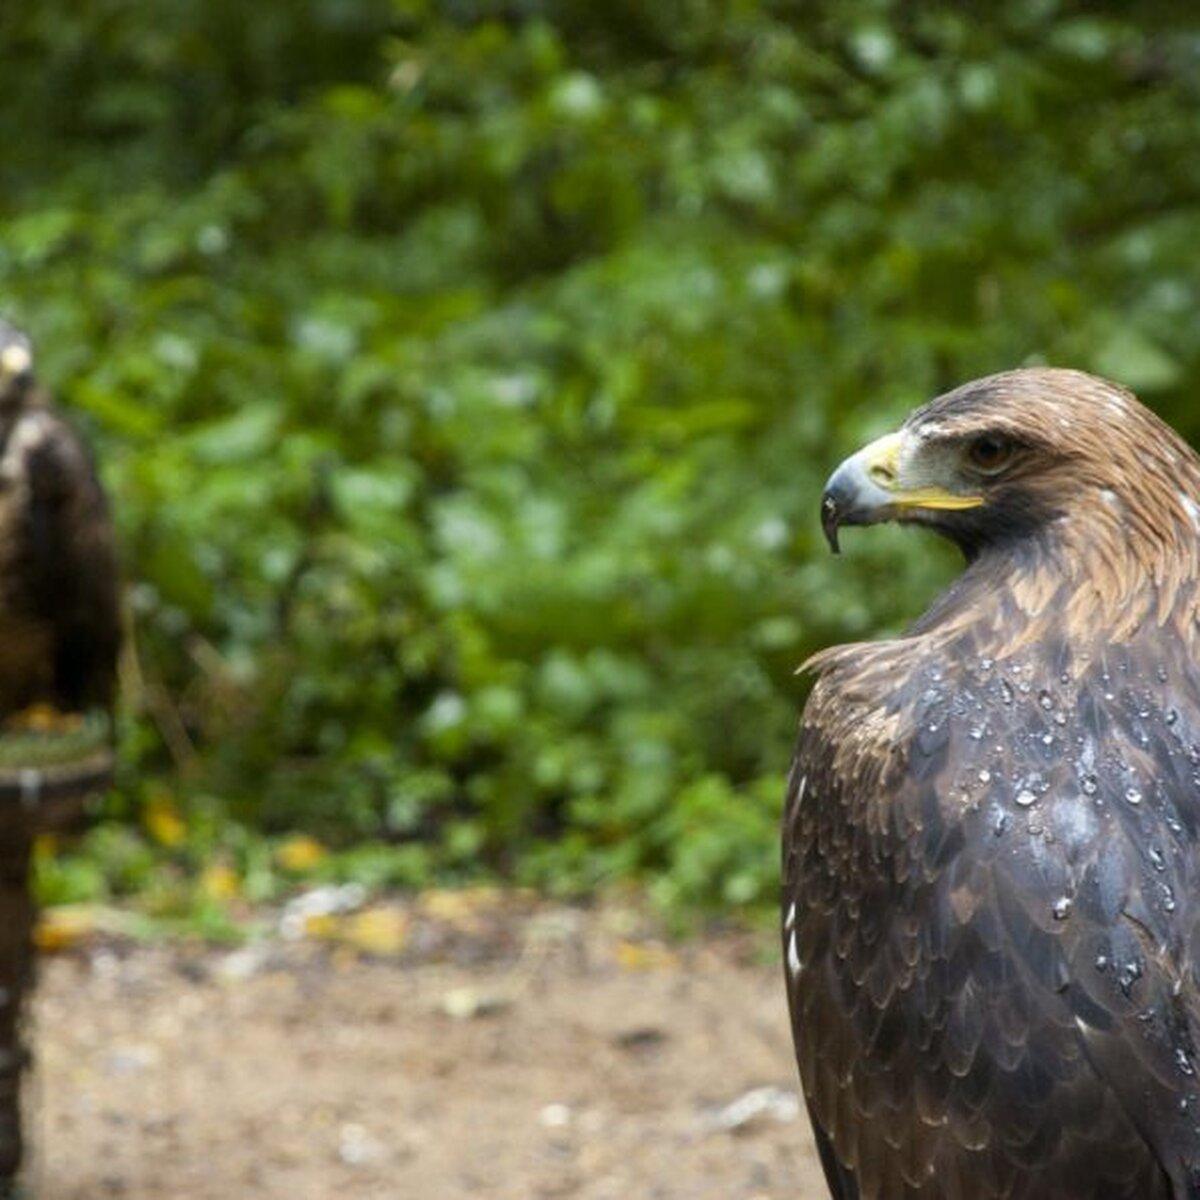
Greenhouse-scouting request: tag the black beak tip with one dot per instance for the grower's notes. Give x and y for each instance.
(830, 519)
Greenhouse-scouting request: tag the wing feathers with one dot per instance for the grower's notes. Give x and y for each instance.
(982, 1022)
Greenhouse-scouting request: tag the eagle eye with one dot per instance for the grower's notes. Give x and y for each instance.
(990, 454)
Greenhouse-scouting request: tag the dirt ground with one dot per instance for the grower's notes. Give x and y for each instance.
(509, 1050)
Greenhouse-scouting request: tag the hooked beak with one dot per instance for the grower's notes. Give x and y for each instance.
(867, 488)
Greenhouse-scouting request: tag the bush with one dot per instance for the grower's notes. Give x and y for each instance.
(466, 374)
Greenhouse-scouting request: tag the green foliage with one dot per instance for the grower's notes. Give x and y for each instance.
(465, 374)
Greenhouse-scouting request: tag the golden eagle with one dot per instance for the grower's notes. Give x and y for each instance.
(60, 633)
(60, 627)
(991, 913)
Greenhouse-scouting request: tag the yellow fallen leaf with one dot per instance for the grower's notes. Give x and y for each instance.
(459, 906)
(59, 929)
(219, 881)
(324, 926)
(163, 821)
(379, 931)
(644, 956)
(300, 853)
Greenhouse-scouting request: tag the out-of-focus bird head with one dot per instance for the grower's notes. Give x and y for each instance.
(16, 366)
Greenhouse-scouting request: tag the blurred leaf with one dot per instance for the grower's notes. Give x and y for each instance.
(1137, 361)
(300, 854)
(643, 956)
(218, 881)
(164, 822)
(380, 932)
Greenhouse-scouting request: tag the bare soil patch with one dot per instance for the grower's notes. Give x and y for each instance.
(512, 1051)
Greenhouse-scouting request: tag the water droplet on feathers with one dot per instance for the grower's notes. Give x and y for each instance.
(1128, 975)
(1062, 908)
(1025, 798)
(1133, 795)
(932, 737)
(1089, 785)
(985, 776)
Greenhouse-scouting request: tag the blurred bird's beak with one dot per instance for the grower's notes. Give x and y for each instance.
(869, 488)
(16, 367)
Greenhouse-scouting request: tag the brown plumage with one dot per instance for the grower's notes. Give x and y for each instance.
(60, 627)
(59, 637)
(992, 830)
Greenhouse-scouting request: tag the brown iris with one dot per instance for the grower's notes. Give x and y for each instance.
(990, 454)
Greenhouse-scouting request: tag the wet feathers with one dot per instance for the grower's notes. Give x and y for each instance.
(991, 912)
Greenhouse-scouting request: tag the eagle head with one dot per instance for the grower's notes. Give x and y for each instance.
(1023, 454)
(16, 366)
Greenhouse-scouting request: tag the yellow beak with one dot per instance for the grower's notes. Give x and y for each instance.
(867, 488)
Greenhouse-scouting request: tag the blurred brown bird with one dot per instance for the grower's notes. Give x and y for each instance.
(60, 628)
(991, 918)
(60, 633)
